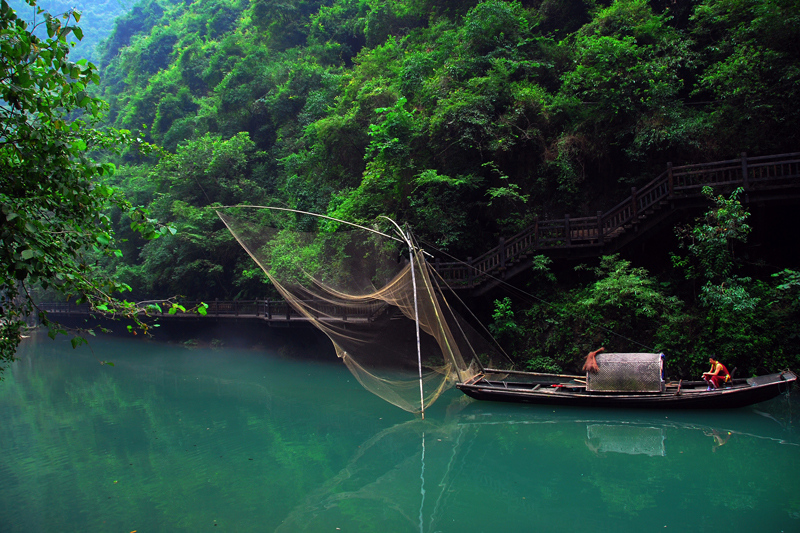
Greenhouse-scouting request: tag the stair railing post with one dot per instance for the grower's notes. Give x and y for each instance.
(470, 272)
(745, 172)
(567, 231)
(267, 309)
(502, 246)
(600, 236)
(670, 179)
(634, 203)
(536, 232)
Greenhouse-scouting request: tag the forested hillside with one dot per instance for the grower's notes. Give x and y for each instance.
(466, 120)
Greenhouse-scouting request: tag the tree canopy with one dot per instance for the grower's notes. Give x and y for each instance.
(54, 196)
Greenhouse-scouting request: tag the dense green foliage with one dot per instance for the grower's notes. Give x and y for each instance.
(463, 118)
(476, 114)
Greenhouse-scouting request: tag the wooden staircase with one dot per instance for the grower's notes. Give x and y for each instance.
(764, 179)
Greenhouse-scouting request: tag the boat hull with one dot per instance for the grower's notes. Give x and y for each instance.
(754, 391)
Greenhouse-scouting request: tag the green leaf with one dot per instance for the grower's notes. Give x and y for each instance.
(77, 341)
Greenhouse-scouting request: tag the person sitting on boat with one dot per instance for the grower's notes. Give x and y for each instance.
(717, 375)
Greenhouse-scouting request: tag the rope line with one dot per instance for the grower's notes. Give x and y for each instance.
(532, 296)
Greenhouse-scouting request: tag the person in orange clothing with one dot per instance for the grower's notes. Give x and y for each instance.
(717, 375)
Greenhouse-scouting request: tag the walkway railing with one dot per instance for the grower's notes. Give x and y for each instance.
(595, 234)
(269, 310)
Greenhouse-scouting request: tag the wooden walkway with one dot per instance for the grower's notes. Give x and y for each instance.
(274, 313)
(764, 179)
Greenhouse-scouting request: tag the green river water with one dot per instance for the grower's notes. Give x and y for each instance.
(171, 439)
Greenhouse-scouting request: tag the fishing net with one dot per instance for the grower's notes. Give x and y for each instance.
(627, 372)
(366, 289)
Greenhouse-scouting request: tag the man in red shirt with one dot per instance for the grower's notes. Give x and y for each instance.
(717, 375)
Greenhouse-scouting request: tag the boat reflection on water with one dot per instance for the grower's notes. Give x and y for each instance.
(645, 433)
(474, 465)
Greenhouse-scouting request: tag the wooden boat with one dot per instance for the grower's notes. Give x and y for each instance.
(526, 387)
